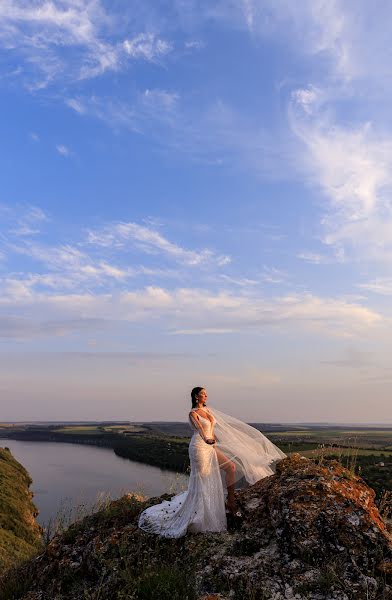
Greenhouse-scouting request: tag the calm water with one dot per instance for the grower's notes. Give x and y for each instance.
(68, 475)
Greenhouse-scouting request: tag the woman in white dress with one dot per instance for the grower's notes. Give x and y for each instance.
(222, 451)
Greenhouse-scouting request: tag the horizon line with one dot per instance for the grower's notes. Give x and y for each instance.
(120, 421)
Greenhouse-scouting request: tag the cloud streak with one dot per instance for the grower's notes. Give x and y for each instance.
(197, 311)
(151, 241)
(71, 39)
(353, 167)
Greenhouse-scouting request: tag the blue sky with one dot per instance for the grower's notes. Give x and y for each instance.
(195, 193)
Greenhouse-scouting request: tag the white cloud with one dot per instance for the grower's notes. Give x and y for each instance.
(151, 241)
(69, 268)
(76, 105)
(241, 282)
(223, 260)
(39, 30)
(273, 275)
(102, 257)
(66, 297)
(353, 35)
(157, 99)
(348, 40)
(321, 259)
(152, 112)
(309, 99)
(191, 311)
(216, 134)
(147, 46)
(23, 220)
(312, 257)
(353, 167)
(74, 39)
(194, 45)
(63, 150)
(381, 285)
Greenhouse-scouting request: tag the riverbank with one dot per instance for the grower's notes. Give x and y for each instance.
(20, 535)
(162, 451)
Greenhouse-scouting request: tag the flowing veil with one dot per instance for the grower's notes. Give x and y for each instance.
(254, 454)
(202, 506)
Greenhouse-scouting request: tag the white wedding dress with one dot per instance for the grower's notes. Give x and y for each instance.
(202, 506)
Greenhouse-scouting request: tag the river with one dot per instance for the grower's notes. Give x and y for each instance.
(71, 479)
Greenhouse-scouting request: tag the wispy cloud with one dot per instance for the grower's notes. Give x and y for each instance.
(152, 112)
(241, 282)
(194, 44)
(72, 268)
(313, 257)
(353, 167)
(76, 105)
(63, 150)
(381, 285)
(23, 219)
(107, 257)
(151, 241)
(273, 275)
(72, 39)
(79, 287)
(348, 149)
(191, 311)
(147, 46)
(316, 258)
(157, 99)
(332, 32)
(212, 133)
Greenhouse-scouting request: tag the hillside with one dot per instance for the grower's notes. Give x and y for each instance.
(311, 531)
(19, 533)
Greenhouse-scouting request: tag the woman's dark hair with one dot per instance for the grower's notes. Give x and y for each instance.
(195, 392)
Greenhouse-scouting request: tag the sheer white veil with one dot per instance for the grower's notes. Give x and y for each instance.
(254, 454)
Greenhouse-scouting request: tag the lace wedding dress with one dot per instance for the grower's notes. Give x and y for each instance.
(202, 506)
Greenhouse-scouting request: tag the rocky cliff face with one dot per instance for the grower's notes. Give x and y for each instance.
(308, 532)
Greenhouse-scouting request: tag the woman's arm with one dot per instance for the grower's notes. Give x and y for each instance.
(196, 422)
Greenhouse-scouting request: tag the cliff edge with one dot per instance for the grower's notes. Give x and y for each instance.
(311, 531)
(20, 535)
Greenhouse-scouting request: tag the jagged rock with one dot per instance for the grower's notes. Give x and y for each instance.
(308, 532)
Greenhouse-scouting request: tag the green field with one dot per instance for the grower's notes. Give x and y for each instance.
(165, 445)
(336, 432)
(347, 451)
(94, 429)
(371, 439)
(81, 429)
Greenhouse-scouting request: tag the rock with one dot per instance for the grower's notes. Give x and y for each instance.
(308, 532)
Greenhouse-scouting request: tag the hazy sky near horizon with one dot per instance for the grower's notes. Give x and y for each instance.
(196, 193)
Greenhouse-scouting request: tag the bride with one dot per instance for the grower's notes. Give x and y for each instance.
(222, 451)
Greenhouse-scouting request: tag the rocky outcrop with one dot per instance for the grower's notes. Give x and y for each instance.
(308, 532)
